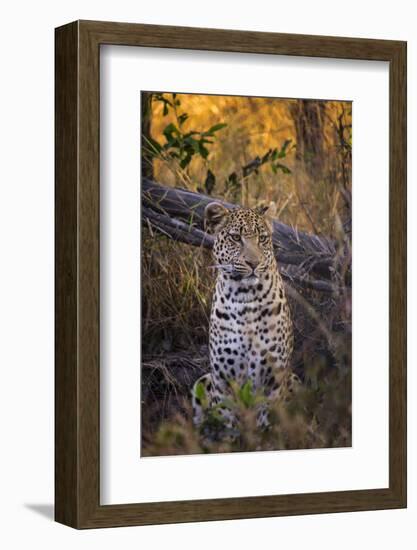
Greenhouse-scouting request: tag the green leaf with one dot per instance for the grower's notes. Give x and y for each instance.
(204, 152)
(182, 118)
(193, 143)
(172, 143)
(283, 152)
(246, 395)
(282, 167)
(200, 391)
(186, 160)
(169, 130)
(274, 154)
(228, 403)
(216, 127)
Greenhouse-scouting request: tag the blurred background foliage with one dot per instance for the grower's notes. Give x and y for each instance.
(305, 147)
(246, 150)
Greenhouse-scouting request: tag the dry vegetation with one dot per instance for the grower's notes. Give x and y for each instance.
(297, 154)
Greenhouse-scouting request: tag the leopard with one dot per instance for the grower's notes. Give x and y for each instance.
(250, 329)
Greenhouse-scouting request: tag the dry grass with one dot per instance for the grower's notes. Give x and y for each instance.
(317, 416)
(255, 125)
(176, 290)
(177, 284)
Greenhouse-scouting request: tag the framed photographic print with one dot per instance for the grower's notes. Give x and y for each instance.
(230, 274)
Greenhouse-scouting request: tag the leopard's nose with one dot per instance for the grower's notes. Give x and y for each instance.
(253, 264)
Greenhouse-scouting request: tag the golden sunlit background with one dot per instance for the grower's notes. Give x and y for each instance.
(245, 151)
(314, 138)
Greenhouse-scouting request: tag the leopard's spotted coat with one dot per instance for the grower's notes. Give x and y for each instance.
(251, 333)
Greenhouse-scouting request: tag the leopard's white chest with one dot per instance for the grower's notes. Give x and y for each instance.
(250, 330)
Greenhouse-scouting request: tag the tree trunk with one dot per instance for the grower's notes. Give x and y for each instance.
(308, 117)
(147, 159)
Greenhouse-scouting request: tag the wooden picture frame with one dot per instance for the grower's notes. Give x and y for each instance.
(77, 374)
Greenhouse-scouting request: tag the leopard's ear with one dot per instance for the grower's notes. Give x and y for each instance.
(268, 212)
(261, 209)
(214, 216)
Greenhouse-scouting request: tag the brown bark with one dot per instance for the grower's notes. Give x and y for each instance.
(146, 118)
(308, 117)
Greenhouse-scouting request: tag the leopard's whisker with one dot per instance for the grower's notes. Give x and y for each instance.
(226, 267)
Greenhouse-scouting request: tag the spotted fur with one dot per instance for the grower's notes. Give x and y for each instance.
(251, 336)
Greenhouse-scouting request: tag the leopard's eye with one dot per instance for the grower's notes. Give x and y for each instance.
(235, 237)
(263, 238)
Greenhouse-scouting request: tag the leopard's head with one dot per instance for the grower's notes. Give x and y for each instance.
(243, 239)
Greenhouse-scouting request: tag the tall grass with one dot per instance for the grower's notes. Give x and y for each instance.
(177, 283)
(255, 125)
(176, 290)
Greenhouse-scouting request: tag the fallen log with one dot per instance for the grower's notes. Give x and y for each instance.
(178, 214)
